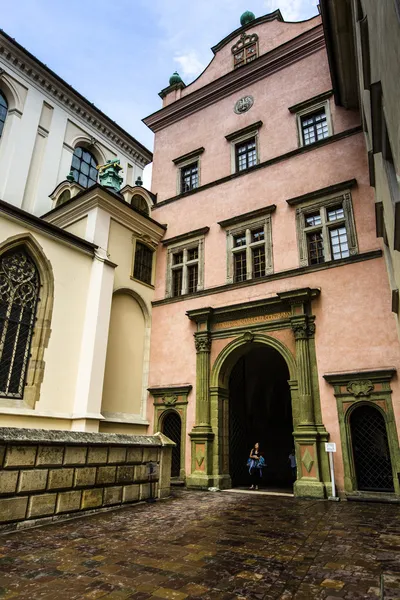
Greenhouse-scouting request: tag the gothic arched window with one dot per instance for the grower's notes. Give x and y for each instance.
(19, 294)
(3, 111)
(83, 167)
(140, 204)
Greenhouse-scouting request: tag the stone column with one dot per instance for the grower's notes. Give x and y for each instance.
(202, 435)
(302, 330)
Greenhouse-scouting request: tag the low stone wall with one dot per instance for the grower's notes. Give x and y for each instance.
(53, 473)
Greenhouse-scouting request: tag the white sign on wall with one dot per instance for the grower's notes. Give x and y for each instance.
(330, 446)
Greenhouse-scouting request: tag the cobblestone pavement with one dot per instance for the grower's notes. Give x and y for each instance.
(212, 546)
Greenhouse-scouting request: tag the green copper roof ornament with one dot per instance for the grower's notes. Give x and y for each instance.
(246, 18)
(70, 177)
(175, 78)
(109, 174)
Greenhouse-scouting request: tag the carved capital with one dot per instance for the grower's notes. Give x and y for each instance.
(202, 342)
(360, 387)
(303, 330)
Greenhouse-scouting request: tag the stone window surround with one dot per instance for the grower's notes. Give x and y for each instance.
(185, 161)
(310, 110)
(247, 225)
(243, 135)
(325, 203)
(184, 246)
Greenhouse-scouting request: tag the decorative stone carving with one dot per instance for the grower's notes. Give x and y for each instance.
(200, 456)
(307, 460)
(170, 400)
(300, 330)
(361, 387)
(243, 104)
(244, 40)
(203, 343)
(248, 336)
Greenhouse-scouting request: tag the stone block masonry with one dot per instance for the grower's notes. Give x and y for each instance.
(48, 474)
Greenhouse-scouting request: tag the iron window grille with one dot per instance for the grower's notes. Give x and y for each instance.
(246, 154)
(19, 295)
(143, 265)
(83, 167)
(189, 177)
(314, 127)
(3, 112)
(326, 231)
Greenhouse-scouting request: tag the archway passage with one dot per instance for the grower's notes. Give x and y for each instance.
(371, 450)
(260, 410)
(172, 428)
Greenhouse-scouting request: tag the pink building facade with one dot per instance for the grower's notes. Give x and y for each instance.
(272, 316)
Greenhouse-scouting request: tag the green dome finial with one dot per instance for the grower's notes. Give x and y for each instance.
(175, 78)
(246, 18)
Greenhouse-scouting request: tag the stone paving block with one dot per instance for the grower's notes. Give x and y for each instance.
(20, 456)
(140, 473)
(50, 455)
(97, 455)
(13, 509)
(8, 481)
(32, 480)
(116, 454)
(112, 495)
(134, 455)
(68, 501)
(124, 474)
(92, 498)
(75, 455)
(106, 475)
(85, 476)
(131, 493)
(150, 454)
(42, 505)
(60, 478)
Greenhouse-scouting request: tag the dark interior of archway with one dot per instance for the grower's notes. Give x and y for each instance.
(260, 410)
(172, 427)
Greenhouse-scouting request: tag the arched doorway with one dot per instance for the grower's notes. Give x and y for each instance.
(260, 409)
(372, 464)
(172, 428)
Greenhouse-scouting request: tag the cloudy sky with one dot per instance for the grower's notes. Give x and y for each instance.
(120, 55)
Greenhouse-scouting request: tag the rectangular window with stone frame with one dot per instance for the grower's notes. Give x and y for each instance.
(249, 247)
(314, 123)
(188, 171)
(326, 230)
(185, 268)
(143, 263)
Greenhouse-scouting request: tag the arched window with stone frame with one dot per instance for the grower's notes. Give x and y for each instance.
(26, 300)
(3, 111)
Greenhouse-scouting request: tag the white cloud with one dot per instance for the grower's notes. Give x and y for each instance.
(292, 10)
(190, 64)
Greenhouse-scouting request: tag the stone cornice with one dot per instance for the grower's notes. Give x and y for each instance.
(249, 129)
(50, 83)
(310, 102)
(316, 194)
(122, 212)
(188, 156)
(228, 287)
(185, 236)
(286, 54)
(168, 389)
(50, 229)
(375, 375)
(253, 214)
(267, 163)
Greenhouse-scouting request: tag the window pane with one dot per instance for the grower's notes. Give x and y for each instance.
(257, 235)
(189, 177)
(339, 245)
(239, 263)
(3, 111)
(84, 167)
(259, 261)
(143, 263)
(314, 219)
(193, 274)
(177, 282)
(178, 258)
(193, 253)
(315, 248)
(314, 127)
(239, 240)
(246, 155)
(140, 204)
(335, 213)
